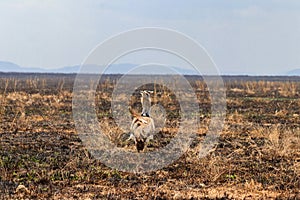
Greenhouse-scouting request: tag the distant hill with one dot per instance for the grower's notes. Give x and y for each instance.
(295, 72)
(9, 67)
(113, 69)
(122, 68)
(12, 67)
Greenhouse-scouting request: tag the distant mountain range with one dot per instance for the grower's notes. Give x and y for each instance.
(113, 69)
(295, 72)
(12, 67)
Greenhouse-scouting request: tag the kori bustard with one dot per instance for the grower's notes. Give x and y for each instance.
(142, 126)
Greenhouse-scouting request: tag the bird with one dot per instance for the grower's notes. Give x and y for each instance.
(142, 126)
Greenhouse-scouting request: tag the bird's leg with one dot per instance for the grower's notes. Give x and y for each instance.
(149, 138)
(132, 137)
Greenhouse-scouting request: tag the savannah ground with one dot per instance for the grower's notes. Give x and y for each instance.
(257, 157)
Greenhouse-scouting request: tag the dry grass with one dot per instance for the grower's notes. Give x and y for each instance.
(257, 157)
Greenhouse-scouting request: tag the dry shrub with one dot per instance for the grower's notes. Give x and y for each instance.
(282, 141)
(235, 117)
(289, 89)
(263, 87)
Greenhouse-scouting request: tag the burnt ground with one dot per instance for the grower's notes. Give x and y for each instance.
(257, 156)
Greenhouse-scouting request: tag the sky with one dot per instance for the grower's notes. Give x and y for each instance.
(246, 37)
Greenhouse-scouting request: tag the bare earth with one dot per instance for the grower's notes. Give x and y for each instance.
(257, 157)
